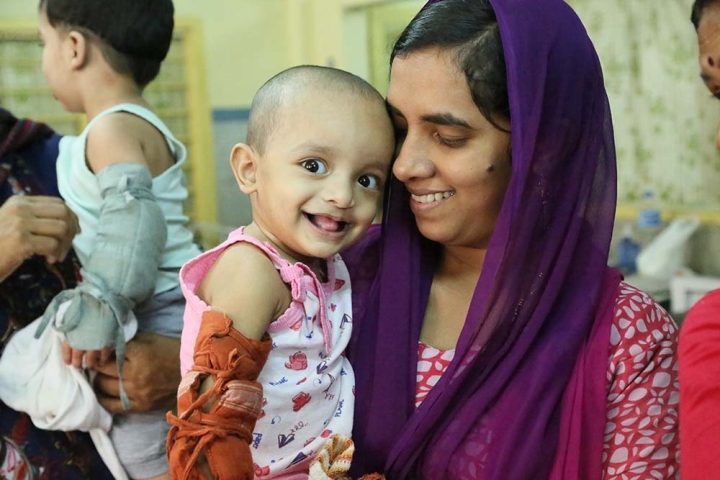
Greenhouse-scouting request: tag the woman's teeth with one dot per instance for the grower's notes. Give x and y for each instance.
(432, 197)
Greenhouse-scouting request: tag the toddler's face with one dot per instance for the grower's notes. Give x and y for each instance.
(322, 173)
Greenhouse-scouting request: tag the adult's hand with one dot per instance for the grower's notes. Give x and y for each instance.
(151, 375)
(34, 225)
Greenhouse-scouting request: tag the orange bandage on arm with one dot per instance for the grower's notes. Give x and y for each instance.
(222, 434)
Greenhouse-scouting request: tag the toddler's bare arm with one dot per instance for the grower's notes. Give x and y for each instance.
(219, 400)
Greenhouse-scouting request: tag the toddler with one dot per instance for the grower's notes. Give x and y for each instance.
(269, 312)
(123, 178)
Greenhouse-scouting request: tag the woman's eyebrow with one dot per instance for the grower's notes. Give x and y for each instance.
(445, 119)
(436, 118)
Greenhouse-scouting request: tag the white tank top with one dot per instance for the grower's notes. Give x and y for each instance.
(79, 188)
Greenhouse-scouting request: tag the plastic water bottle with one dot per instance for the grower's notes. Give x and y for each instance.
(649, 221)
(627, 251)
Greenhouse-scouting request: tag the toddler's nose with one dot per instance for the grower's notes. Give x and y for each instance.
(339, 193)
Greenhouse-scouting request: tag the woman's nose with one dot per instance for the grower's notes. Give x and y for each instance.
(412, 161)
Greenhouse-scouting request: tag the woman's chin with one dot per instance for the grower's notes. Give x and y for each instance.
(433, 231)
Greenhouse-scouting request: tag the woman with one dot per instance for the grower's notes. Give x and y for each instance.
(493, 308)
(36, 230)
(699, 350)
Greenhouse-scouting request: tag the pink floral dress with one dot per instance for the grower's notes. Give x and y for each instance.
(308, 384)
(641, 432)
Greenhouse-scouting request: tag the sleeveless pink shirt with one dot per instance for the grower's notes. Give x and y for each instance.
(308, 384)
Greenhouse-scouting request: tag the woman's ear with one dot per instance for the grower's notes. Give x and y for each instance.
(244, 163)
(77, 49)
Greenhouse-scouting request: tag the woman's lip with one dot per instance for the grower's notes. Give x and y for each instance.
(432, 196)
(417, 206)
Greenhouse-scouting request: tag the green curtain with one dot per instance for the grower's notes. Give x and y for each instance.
(665, 119)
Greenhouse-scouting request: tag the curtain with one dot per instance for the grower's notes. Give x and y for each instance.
(665, 119)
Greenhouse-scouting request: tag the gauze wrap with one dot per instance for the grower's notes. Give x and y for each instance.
(122, 268)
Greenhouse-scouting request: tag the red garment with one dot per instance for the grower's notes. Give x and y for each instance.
(641, 438)
(700, 389)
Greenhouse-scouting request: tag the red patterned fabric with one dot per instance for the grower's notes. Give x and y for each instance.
(641, 433)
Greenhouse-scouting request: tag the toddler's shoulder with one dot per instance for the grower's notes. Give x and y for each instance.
(244, 284)
(120, 137)
(247, 263)
(121, 127)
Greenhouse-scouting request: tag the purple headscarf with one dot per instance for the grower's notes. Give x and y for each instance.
(530, 365)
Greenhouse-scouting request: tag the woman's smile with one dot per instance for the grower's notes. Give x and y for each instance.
(429, 201)
(432, 197)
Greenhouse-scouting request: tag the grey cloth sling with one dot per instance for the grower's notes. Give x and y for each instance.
(122, 268)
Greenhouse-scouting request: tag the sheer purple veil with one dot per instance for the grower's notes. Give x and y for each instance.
(528, 375)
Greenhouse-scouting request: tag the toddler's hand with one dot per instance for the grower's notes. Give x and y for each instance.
(74, 357)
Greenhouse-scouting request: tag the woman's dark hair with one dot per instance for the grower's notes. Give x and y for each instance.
(469, 28)
(697, 10)
(134, 36)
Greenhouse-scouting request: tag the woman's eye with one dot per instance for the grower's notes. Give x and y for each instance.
(314, 166)
(369, 181)
(450, 142)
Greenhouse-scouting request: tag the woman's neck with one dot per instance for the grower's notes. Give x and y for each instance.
(461, 264)
(452, 290)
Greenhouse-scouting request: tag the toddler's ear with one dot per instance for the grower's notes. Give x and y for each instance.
(244, 163)
(77, 49)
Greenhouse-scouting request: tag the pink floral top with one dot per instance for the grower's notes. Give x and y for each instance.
(641, 433)
(308, 384)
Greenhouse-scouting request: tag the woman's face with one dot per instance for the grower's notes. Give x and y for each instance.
(453, 161)
(709, 50)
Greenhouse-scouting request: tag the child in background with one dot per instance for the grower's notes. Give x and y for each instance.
(123, 178)
(269, 312)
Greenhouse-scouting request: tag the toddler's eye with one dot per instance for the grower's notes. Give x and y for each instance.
(314, 166)
(369, 181)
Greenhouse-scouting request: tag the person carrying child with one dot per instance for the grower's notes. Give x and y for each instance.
(269, 311)
(122, 176)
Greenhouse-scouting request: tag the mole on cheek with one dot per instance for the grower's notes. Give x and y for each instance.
(711, 62)
(491, 168)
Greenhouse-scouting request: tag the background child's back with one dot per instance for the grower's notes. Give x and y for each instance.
(123, 178)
